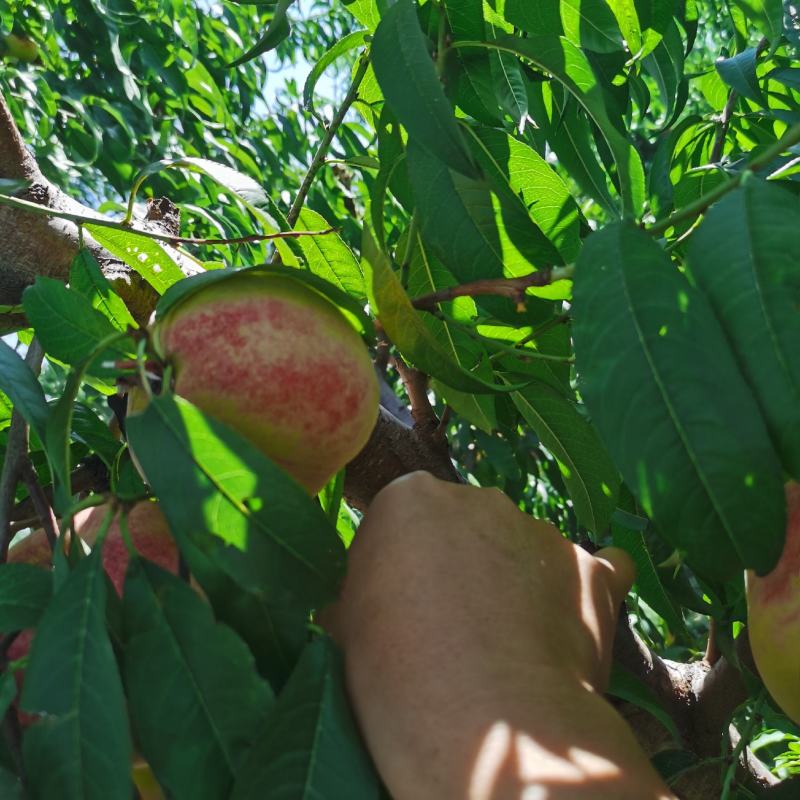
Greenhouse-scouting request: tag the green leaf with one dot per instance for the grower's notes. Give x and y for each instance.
(677, 418)
(563, 60)
(247, 189)
(80, 749)
(243, 512)
(59, 426)
(589, 24)
(344, 45)
(195, 698)
(425, 275)
(588, 472)
(328, 256)
(68, 327)
(765, 15)
(92, 431)
(142, 254)
(542, 18)
(412, 89)
(22, 388)
(569, 135)
(407, 331)
(744, 258)
(475, 231)
(648, 581)
(665, 66)
(739, 72)
(310, 747)
(86, 278)
(527, 175)
(25, 591)
(277, 31)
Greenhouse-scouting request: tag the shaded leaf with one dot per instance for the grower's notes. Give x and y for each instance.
(744, 257)
(678, 419)
(25, 591)
(223, 495)
(412, 89)
(80, 749)
(23, 390)
(589, 474)
(194, 696)
(310, 747)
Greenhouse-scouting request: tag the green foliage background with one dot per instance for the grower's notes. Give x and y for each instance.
(647, 395)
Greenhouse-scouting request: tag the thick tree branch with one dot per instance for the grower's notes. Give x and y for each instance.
(394, 449)
(35, 245)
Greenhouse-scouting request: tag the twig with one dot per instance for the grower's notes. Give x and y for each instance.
(44, 511)
(517, 347)
(727, 113)
(15, 456)
(724, 124)
(89, 476)
(327, 139)
(441, 429)
(85, 219)
(416, 383)
(504, 287)
(789, 139)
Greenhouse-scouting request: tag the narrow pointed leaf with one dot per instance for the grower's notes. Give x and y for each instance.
(25, 591)
(589, 474)
(744, 256)
(222, 494)
(569, 66)
(23, 390)
(80, 749)
(309, 747)
(412, 89)
(195, 698)
(406, 329)
(678, 419)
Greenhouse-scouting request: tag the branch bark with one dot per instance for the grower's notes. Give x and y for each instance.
(36, 245)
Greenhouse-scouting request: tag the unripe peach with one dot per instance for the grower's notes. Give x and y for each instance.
(279, 363)
(773, 604)
(20, 47)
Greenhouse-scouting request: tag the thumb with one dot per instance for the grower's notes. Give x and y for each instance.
(622, 572)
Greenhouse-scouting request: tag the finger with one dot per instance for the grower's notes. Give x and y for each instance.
(622, 572)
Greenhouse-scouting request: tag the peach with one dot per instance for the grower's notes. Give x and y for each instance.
(279, 363)
(773, 610)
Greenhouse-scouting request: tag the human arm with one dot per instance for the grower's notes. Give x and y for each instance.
(477, 645)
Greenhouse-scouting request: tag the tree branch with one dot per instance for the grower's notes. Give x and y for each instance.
(789, 139)
(513, 288)
(36, 245)
(327, 139)
(44, 512)
(96, 219)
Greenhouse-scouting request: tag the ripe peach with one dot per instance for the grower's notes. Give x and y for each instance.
(773, 604)
(279, 363)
